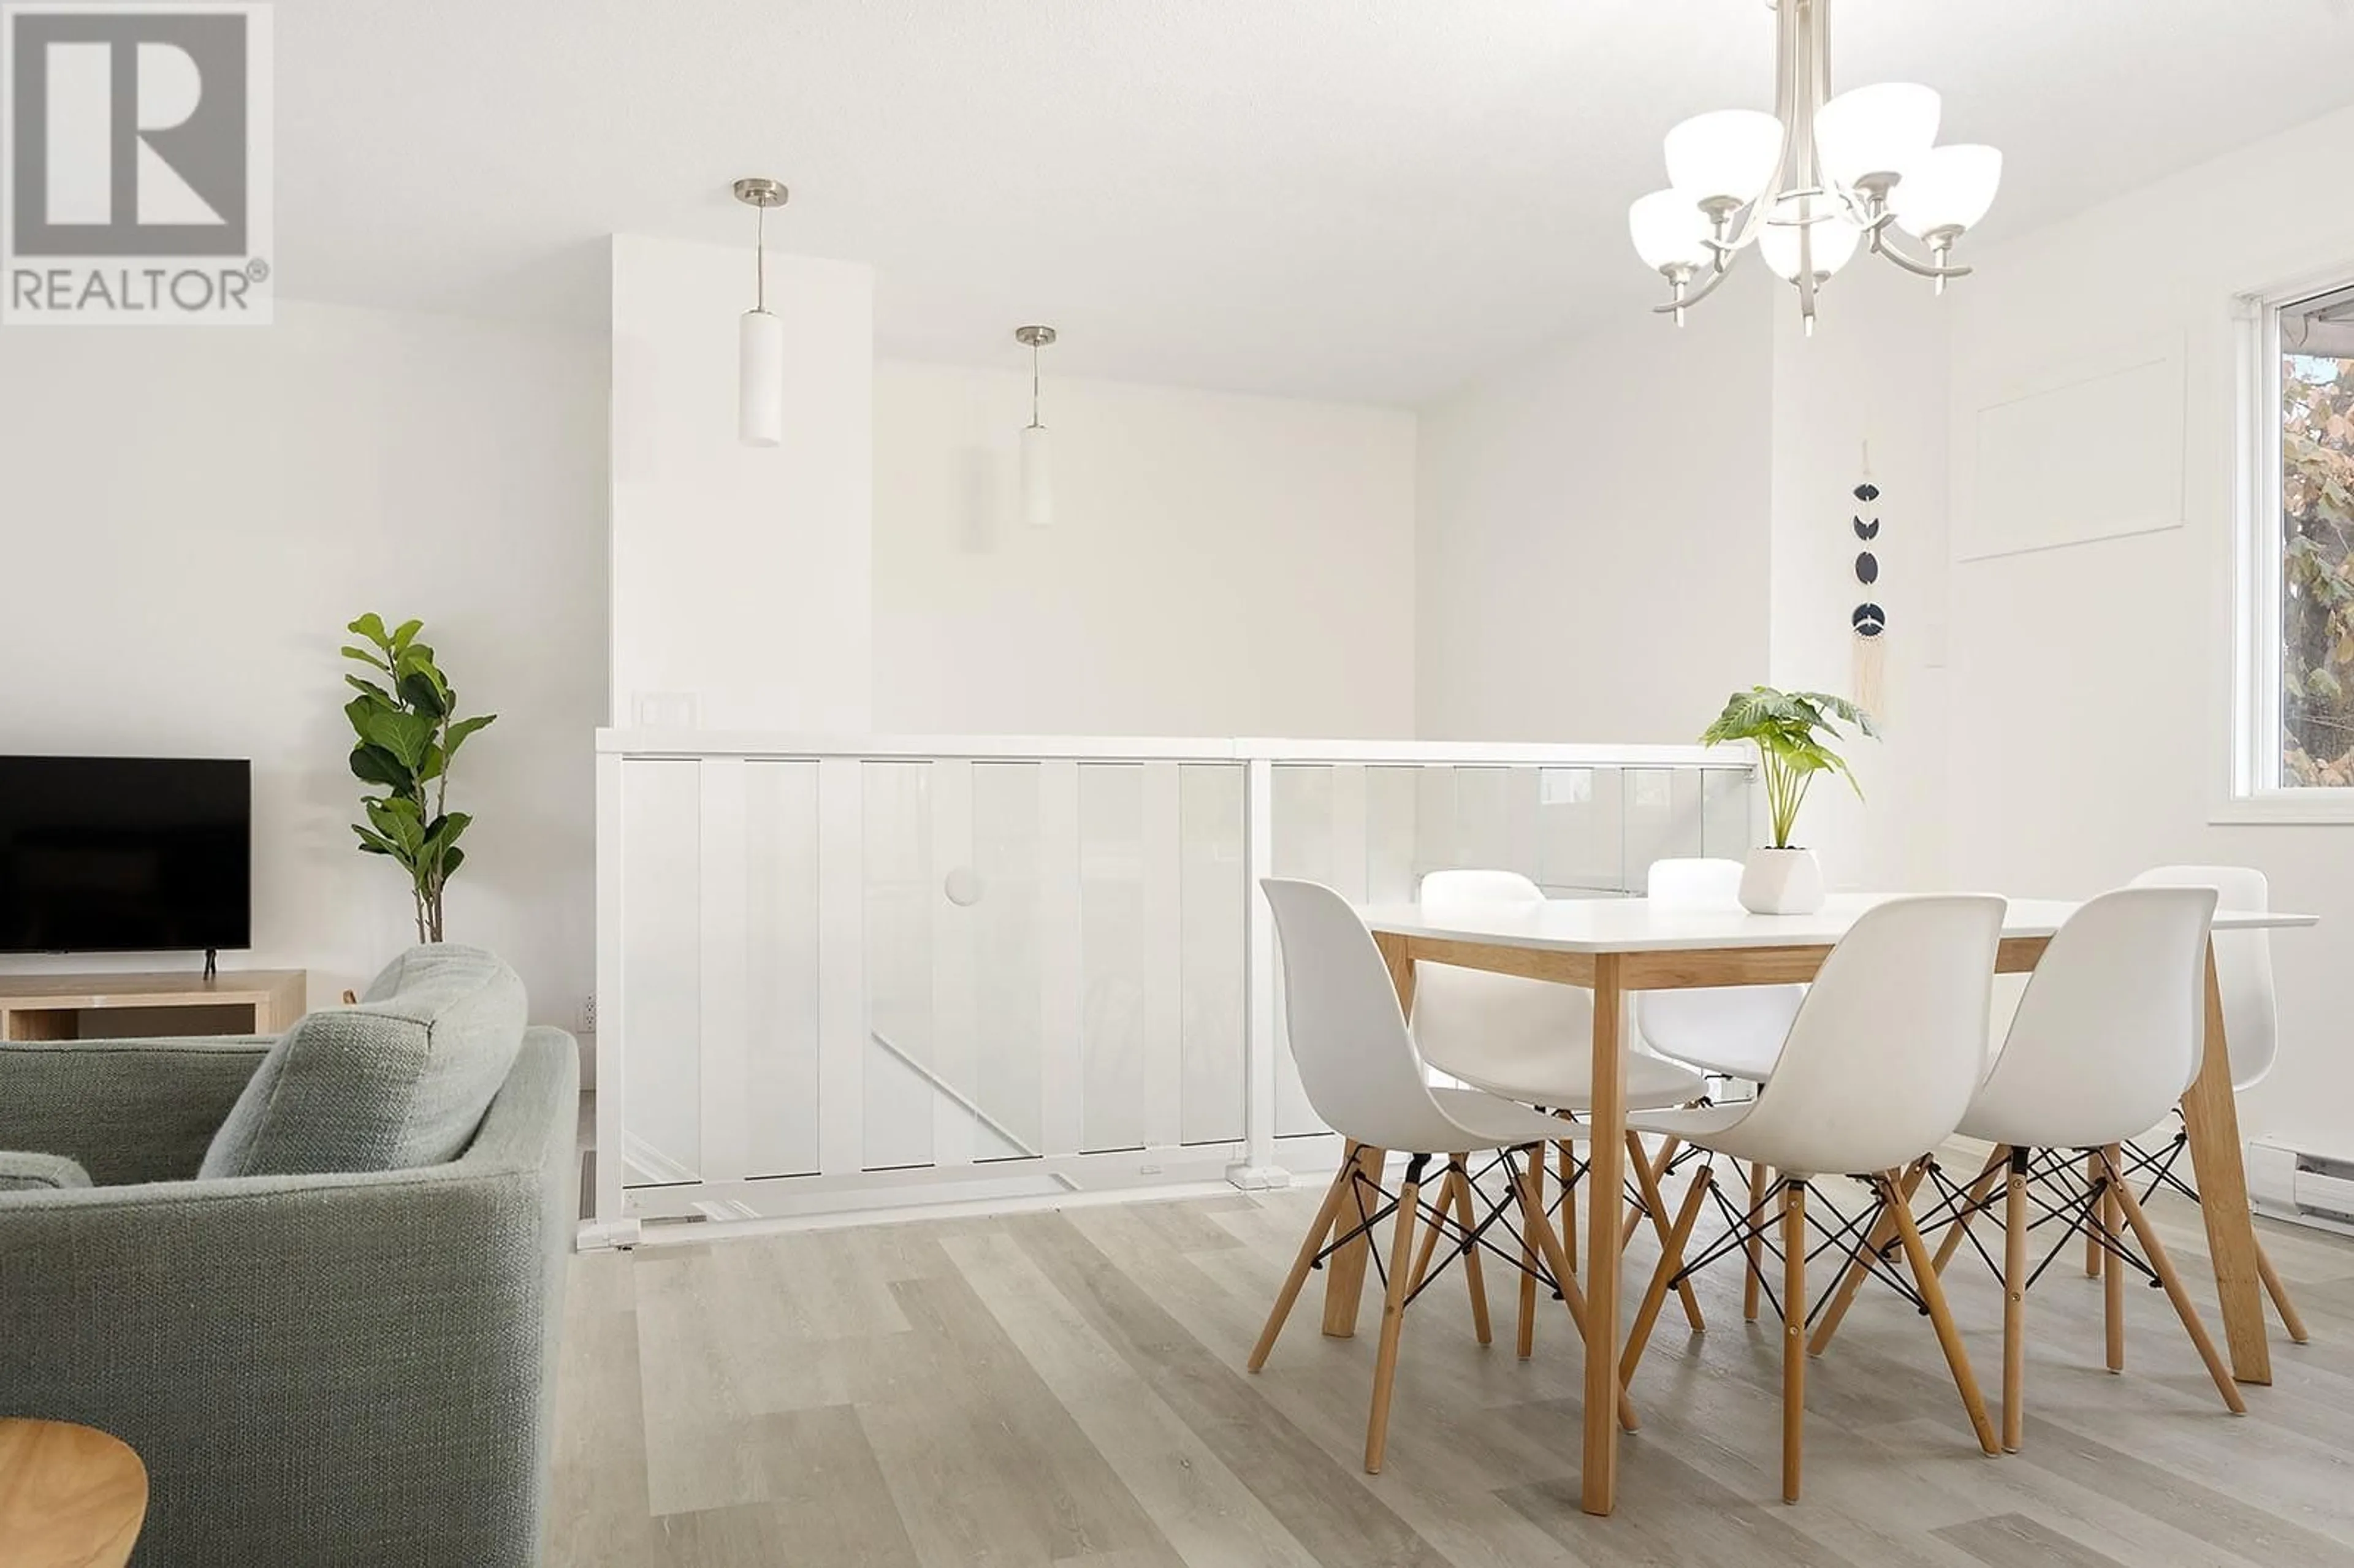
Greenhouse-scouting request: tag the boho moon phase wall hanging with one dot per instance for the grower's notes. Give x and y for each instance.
(1868, 621)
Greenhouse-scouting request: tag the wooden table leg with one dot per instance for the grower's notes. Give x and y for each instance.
(2212, 1119)
(1344, 1271)
(1605, 1182)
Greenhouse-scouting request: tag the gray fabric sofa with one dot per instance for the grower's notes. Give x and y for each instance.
(342, 1353)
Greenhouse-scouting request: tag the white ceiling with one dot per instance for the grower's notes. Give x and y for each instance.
(1368, 199)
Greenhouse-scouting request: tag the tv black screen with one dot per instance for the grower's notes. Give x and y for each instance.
(124, 854)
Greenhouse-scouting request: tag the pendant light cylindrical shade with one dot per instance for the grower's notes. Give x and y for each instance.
(760, 387)
(761, 333)
(1037, 478)
(1037, 468)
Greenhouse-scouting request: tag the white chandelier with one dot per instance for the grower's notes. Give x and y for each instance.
(1812, 183)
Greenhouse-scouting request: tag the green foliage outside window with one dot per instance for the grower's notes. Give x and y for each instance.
(2317, 570)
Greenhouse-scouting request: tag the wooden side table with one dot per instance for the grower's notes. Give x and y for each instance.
(70, 1497)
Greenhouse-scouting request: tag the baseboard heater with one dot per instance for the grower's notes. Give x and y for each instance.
(2307, 1189)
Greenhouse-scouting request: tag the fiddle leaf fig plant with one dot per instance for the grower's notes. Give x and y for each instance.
(407, 734)
(1793, 732)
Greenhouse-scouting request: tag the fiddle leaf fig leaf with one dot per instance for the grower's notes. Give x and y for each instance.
(464, 727)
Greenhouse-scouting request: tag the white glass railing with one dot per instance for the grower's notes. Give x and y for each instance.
(848, 974)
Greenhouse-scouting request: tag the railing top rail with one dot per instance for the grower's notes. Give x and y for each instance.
(696, 743)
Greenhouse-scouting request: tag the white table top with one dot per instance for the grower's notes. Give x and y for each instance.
(1638, 926)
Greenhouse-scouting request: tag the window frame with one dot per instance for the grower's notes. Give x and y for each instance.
(2254, 792)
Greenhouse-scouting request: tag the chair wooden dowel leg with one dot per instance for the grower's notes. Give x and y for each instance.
(1883, 1235)
(2279, 1293)
(1941, 1316)
(1756, 1245)
(1466, 1216)
(1377, 1426)
(2112, 1267)
(1431, 1233)
(2014, 1303)
(1646, 1182)
(1672, 1258)
(2093, 1251)
(1306, 1259)
(1541, 1232)
(2155, 1250)
(1532, 1181)
(1960, 1228)
(1794, 1333)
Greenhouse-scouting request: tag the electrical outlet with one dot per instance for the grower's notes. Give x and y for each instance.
(586, 1023)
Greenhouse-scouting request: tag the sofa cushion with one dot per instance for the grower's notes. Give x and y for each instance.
(21, 1172)
(400, 1080)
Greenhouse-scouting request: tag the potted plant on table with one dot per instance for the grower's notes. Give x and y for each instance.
(1793, 732)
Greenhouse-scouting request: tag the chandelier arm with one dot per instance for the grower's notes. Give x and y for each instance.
(1918, 269)
(1716, 281)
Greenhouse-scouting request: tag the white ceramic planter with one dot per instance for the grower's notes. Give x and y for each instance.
(1781, 881)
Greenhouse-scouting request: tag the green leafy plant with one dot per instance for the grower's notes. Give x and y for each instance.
(1793, 731)
(405, 717)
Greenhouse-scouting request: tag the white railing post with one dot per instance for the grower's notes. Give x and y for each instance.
(1258, 1170)
(608, 1226)
(842, 1021)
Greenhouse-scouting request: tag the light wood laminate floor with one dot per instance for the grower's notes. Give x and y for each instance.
(1068, 1388)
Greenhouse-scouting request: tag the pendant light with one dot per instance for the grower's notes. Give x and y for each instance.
(1037, 472)
(760, 336)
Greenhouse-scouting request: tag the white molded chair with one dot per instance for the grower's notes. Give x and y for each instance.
(2243, 975)
(1527, 1040)
(1731, 1031)
(1879, 1064)
(1365, 1079)
(1734, 1031)
(2108, 1036)
(1533, 1040)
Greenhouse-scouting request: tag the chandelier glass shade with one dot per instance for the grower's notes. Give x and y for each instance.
(1812, 183)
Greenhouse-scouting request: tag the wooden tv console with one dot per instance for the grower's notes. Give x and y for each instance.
(138, 1006)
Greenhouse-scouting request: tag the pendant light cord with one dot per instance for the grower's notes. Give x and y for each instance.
(1033, 386)
(760, 259)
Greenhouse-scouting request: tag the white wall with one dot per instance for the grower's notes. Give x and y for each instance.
(190, 518)
(1873, 372)
(1593, 541)
(740, 574)
(1217, 565)
(2089, 680)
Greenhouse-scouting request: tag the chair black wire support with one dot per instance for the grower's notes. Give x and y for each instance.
(2057, 1189)
(1456, 1240)
(1844, 1235)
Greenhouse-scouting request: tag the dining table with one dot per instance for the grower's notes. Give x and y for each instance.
(1611, 947)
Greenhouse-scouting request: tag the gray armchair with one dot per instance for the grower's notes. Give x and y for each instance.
(351, 1367)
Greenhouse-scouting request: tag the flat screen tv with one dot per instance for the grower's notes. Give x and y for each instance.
(125, 854)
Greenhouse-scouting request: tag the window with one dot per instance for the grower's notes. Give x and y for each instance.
(2296, 568)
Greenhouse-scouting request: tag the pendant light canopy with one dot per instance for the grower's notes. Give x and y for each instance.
(1037, 471)
(760, 336)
